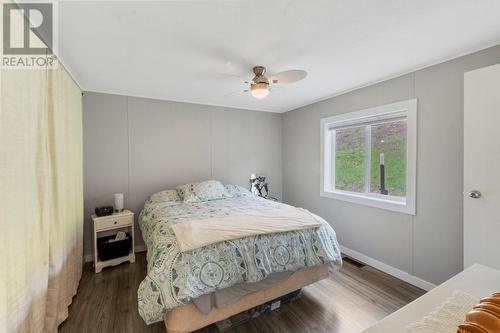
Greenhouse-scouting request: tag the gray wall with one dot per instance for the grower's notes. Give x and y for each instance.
(140, 146)
(428, 245)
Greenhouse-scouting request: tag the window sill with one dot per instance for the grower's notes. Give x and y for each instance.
(396, 205)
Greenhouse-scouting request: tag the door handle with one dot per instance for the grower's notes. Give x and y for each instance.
(475, 194)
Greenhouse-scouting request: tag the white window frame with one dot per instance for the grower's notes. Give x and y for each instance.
(396, 110)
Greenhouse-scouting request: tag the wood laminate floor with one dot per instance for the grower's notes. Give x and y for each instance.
(348, 301)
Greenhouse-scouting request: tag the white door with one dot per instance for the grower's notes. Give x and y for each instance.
(482, 167)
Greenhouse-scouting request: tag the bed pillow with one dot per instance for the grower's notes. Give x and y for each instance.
(166, 196)
(237, 191)
(203, 191)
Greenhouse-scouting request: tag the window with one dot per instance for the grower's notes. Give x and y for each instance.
(369, 156)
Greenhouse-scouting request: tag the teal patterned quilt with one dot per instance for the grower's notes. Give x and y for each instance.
(174, 278)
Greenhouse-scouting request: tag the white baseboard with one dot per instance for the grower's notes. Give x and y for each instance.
(138, 248)
(402, 275)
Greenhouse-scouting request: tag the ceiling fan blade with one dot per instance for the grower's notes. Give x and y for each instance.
(287, 77)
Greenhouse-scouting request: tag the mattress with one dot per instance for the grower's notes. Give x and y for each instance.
(175, 278)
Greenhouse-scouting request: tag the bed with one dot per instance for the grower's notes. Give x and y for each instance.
(206, 238)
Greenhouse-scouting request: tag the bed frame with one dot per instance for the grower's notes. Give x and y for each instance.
(187, 317)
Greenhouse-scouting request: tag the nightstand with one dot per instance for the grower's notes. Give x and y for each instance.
(109, 225)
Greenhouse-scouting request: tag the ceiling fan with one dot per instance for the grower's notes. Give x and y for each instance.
(260, 85)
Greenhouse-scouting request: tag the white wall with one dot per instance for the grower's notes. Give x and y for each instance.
(428, 245)
(140, 146)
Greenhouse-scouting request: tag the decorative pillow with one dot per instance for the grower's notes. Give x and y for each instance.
(165, 196)
(237, 191)
(203, 191)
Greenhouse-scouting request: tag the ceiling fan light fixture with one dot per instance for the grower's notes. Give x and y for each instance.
(259, 90)
(260, 84)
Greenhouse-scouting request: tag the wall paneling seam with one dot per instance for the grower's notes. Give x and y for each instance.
(128, 152)
(211, 144)
(412, 230)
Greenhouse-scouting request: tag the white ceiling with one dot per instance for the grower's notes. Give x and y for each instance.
(189, 50)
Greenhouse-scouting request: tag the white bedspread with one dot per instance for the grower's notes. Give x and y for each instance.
(197, 233)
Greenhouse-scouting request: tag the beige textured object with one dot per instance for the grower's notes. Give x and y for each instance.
(188, 318)
(447, 316)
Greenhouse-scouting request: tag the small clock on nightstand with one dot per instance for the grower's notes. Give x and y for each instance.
(106, 248)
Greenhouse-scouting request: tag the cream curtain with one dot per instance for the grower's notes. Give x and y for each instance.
(41, 198)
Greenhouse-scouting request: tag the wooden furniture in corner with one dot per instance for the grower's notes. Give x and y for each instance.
(108, 225)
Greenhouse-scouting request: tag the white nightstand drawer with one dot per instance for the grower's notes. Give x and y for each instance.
(113, 221)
